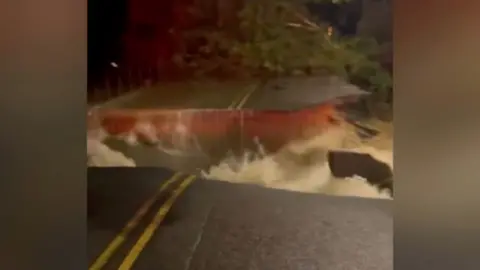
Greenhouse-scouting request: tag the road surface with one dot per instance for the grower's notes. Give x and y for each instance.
(199, 94)
(215, 226)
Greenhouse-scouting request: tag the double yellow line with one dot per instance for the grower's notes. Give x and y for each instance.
(242, 99)
(147, 234)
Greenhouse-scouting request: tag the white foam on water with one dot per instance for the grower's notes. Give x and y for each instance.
(302, 166)
(100, 155)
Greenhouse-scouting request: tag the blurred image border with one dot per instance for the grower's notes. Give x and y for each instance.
(43, 104)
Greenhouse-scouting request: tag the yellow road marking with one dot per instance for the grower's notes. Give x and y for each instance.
(152, 227)
(245, 98)
(240, 100)
(235, 101)
(103, 259)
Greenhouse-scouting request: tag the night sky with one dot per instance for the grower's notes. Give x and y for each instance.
(106, 24)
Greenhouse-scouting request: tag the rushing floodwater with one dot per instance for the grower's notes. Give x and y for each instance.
(299, 166)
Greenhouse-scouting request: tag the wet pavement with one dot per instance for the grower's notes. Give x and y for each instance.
(186, 95)
(215, 225)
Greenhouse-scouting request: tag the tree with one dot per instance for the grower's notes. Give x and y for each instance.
(281, 37)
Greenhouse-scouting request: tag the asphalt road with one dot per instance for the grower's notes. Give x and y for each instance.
(214, 225)
(199, 94)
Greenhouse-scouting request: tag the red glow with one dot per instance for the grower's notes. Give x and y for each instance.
(154, 30)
